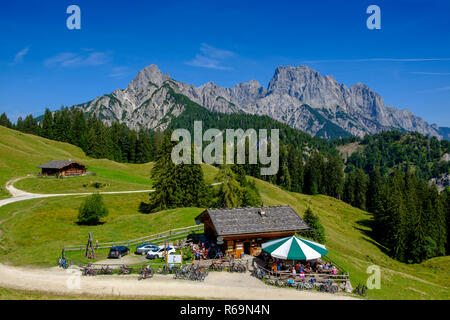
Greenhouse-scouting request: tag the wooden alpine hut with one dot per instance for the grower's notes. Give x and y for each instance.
(63, 168)
(243, 230)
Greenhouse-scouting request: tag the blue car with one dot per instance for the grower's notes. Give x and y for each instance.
(118, 252)
(145, 247)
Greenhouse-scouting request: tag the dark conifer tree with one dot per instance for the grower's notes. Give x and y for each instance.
(334, 176)
(47, 124)
(4, 121)
(316, 231)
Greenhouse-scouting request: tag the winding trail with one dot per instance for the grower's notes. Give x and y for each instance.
(19, 195)
(218, 285)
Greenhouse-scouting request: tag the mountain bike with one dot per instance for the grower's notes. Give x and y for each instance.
(106, 270)
(63, 263)
(328, 286)
(305, 285)
(124, 269)
(360, 290)
(145, 273)
(89, 271)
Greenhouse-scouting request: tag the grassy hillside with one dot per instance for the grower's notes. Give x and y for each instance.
(34, 231)
(21, 153)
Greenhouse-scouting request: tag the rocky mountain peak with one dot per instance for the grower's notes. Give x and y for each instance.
(298, 96)
(148, 76)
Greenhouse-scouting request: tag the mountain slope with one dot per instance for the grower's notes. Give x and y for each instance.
(20, 154)
(356, 110)
(36, 235)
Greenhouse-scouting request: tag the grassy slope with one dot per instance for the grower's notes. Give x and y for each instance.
(351, 247)
(19, 161)
(36, 229)
(40, 228)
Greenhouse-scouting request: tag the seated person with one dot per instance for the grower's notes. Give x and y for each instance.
(320, 268)
(297, 267)
(274, 267)
(308, 268)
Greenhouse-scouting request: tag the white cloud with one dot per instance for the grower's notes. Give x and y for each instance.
(211, 58)
(379, 60)
(71, 59)
(119, 72)
(436, 90)
(212, 52)
(432, 73)
(18, 58)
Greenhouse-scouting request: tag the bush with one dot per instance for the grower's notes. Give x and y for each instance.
(92, 210)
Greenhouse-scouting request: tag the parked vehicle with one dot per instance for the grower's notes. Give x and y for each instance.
(159, 253)
(118, 252)
(145, 247)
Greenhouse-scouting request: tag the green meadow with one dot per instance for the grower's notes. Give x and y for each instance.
(34, 231)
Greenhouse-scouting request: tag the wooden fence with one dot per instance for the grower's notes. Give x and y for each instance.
(156, 237)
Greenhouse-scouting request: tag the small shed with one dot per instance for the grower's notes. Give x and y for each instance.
(243, 230)
(62, 168)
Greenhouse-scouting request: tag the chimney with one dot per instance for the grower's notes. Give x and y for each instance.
(261, 210)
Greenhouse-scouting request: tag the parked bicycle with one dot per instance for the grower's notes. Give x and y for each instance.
(236, 267)
(106, 270)
(145, 273)
(168, 269)
(328, 286)
(360, 290)
(190, 272)
(63, 263)
(216, 266)
(305, 285)
(259, 273)
(124, 269)
(89, 271)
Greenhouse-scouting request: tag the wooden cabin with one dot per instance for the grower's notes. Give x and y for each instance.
(243, 230)
(63, 168)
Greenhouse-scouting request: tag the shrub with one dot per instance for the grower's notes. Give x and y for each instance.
(92, 210)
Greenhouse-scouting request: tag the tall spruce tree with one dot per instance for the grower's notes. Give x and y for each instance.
(334, 176)
(316, 231)
(230, 192)
(4, 121)
(47, 124)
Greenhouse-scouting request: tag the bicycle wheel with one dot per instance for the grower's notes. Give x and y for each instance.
(334, 288)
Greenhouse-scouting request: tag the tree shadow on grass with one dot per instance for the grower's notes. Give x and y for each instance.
(84, 224)
(368, 233)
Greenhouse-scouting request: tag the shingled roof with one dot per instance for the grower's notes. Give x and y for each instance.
(250, 220)
(57, 164)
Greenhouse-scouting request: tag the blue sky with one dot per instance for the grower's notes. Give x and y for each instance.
(43, 64)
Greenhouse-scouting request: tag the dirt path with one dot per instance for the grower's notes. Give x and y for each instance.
(19, 195)
(218, 285)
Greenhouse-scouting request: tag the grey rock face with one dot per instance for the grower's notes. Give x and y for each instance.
(357, 110)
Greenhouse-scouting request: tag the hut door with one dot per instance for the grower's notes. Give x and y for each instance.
(239, 249)
(247, 247)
